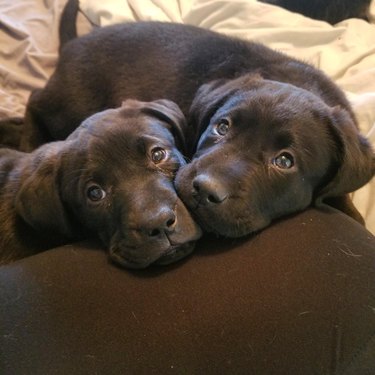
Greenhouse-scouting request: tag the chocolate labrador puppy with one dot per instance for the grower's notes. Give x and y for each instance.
(111, 178)
(267, 149)
(268, 135)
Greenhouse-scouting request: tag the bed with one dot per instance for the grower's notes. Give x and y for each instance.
(345, 51)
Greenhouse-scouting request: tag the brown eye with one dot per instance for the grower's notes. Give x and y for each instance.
(158, 154)
(95, 193)
(222, 127)
(284, 161)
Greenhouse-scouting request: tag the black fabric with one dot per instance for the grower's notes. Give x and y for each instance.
(298, 298)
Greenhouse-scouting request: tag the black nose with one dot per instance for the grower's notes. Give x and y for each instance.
(208, 190)
(162, 221)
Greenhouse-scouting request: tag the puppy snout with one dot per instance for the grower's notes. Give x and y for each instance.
(208, 190)
(163, 221)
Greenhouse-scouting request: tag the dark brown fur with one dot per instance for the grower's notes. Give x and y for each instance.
(44, 194)
(234, 186)
(150, 60)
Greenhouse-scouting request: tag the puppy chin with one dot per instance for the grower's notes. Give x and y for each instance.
(229, 226)
(118, 258)
(172, 254)
(176, 253)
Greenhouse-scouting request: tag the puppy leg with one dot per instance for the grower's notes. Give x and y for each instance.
(10, 132)
(34, 133)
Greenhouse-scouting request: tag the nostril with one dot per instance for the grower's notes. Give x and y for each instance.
(214, 199)
(154, 232)
(196, 186)
(171, 222)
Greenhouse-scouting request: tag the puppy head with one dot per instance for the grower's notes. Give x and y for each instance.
(114, 177)
(267, 149)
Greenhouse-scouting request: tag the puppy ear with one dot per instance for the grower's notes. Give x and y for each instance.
(166, 111)
(38, 201)
(356, 159)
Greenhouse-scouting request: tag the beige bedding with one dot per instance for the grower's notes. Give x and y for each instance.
(346, 52)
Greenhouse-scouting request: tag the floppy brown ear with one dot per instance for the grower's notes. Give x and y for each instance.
(212, 96)
(356, 159)
(38, 200)
(166, 111)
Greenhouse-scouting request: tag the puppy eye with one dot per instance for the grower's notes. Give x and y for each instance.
(158, 154)
(284, 161)
(95, 193)
(222, 127)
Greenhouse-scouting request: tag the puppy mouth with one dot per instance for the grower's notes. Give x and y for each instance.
(228, 223)
(172, 254)
(176, 253)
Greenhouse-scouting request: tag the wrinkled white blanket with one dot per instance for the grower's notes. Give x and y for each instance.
(346, 51)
